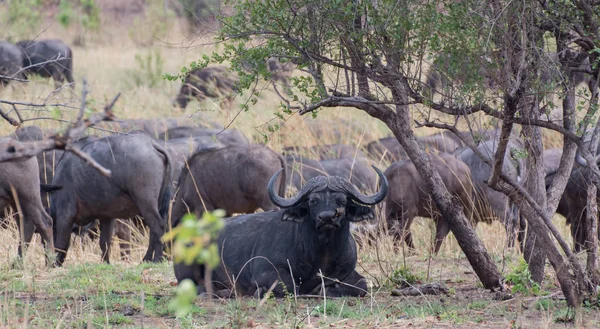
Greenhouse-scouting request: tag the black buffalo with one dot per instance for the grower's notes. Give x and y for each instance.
(219, 82)
(310, 236)
(140, 184)
(49, 59)
(11, 63)
(233, 178)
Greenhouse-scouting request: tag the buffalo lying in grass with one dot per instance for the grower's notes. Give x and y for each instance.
(289, 249)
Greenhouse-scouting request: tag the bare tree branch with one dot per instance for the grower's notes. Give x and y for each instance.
(14, 149)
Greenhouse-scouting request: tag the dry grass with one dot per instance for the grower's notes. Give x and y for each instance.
(86, 293)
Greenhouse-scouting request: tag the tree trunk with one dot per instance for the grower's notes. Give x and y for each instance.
(569, 283)
(469, 242)
(591, 232)
(535, 184)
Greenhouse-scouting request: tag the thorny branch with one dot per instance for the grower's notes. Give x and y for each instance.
(14, 150)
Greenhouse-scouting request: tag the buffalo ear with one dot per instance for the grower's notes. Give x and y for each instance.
(356, 212)
(295, 214)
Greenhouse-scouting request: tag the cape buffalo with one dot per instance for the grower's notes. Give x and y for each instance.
(233, 179)
(408, 199)
(140, 184)
(210, 82)
(489, 203)
(310, 236)
(224, 136)
(575, 198)
(219, 82)
(11, 63)
(20, 189)
(49, 59)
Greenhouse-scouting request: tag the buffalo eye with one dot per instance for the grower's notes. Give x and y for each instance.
(313, 202)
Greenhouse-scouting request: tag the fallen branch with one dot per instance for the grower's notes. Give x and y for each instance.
(434, 288)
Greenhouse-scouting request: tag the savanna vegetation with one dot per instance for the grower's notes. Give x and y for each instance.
(360, 76)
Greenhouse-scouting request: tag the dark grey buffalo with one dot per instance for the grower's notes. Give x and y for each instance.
(49, 59)
(309, 236)
(20, 189)
(224, 136)
(210, 82)
(140, 184)
(489, 203)
(408, 199)
(11, 63)
(574, 202)
(219, 82)
(233, 179)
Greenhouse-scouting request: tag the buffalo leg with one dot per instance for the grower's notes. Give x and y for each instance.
(123, 232)
(353, 285)
(63, 225)
(265, 280)
(26, 227)
(152, 218)
(57, 76)
(401, 230)
(106, 233)
(35, 217)
(441, 231)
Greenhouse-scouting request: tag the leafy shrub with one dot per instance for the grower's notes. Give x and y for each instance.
(404, 277)
(521, 280)
(194, 243)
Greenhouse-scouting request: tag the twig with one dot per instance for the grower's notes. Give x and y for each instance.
(8, 118)
(85, 157)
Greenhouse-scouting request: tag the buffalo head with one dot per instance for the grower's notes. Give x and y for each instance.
(327, 201)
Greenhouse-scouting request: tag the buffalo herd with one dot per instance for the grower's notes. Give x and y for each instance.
(162, 169)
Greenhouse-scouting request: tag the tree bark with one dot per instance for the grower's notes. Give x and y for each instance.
(469, 242)
(591, 232)
(568, 282)
(535, 184)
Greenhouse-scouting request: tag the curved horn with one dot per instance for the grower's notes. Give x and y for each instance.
(375, 198)
(283, 202)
